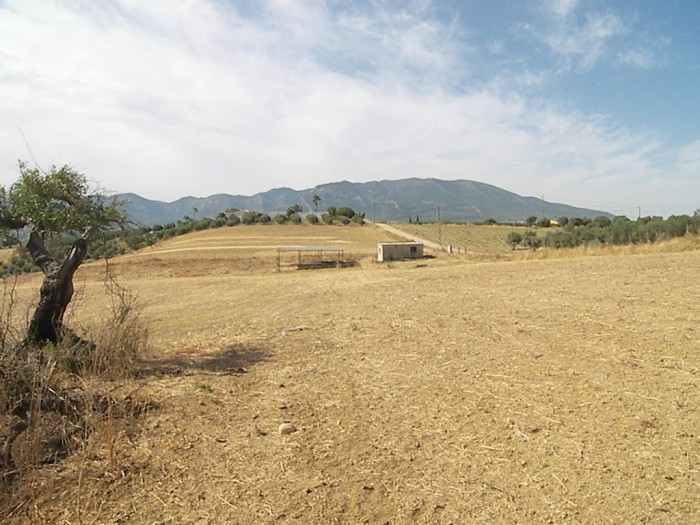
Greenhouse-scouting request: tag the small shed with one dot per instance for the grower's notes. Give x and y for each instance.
(398, 251)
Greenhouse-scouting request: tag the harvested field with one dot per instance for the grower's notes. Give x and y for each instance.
(446, 391)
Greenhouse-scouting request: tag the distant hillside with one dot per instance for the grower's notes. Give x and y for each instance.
(458, 201)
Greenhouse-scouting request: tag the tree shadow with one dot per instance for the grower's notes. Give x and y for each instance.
(231, 360)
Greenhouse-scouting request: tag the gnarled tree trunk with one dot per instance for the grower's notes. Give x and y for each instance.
(56, 291)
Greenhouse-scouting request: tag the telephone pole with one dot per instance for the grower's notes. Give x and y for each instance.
(439, 228)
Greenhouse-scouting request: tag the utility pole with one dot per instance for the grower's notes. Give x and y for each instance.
(439, 228)
(542, 217)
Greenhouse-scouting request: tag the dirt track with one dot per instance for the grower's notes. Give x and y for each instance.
(533, 392)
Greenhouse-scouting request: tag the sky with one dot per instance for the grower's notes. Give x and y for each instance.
(590, 103)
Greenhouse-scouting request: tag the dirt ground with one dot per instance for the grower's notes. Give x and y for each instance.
(432, 392)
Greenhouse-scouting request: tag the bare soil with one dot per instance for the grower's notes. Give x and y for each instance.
(432, 392)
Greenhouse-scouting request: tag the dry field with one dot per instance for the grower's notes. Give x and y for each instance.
(561, 390)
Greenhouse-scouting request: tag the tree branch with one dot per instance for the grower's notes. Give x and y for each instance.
(41, 256)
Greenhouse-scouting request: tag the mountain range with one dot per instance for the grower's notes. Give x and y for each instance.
(397, 200)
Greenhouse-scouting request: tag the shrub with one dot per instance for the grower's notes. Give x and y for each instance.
(327, 218)
(295, 218)
(249, 217)
(346, 211)
(514, 238)
(312, 218)
(280, 218)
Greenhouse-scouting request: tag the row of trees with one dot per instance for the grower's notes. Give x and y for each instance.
(114, 243)
(577, 231)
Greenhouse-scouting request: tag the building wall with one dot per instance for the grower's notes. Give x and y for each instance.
(397, 251)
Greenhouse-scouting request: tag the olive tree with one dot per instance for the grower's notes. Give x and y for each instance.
(514, 238)
(42, 205)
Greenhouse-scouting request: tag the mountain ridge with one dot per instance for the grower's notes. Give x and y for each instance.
(387, 200)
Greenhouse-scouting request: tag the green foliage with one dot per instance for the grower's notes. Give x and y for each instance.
(20, 262)
(294, 208)
(332, 211)
(531, 240)
(514, 238)
(315, 199)
(601, 222)
(342, 219)
(280, 218)
(312, 218)
(263, 218)
(327, 218)
(346, 211)
(56, 201)
(531, 220)
(295, 218)
(249, 217)
(358, 218)
(579, 231)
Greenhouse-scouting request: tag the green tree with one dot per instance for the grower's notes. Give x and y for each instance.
(531, 220)
(312, 218)
(54, 203)
(531, 240)
(315, 199)
(249, 217)
(294, 208)
(346, 211)
(332, 211)
(514, 238)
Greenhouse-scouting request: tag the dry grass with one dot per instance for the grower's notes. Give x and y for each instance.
(558, 390)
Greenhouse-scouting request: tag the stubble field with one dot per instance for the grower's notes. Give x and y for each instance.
(561, 390)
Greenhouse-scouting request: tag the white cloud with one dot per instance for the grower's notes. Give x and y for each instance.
(196, 98)
(585, 44)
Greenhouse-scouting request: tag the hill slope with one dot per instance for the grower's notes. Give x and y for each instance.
(456, 201)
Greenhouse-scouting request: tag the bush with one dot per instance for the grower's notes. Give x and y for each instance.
(358, 218)
(54, 410)
(531, 240)
(295, 218)
(249, 217)
(312, 218)
(346, 211)
(514, 238)
(280, 218)
(327, 218)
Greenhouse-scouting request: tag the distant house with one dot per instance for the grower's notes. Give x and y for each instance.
(398, 251)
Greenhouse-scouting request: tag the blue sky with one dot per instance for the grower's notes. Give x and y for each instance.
(588, 102)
